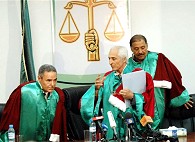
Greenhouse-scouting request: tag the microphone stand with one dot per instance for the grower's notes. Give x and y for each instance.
(115, 138)
(133, 136)
(127, 133)
(103, 139)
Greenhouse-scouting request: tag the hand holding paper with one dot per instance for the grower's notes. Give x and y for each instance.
(126, 93)
(135, 81)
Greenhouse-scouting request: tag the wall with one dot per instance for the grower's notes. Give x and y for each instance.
(11, 40)
(10, 47)
(168, 26)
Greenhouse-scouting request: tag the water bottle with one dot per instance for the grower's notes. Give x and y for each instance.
(11, 133)
(92, 131)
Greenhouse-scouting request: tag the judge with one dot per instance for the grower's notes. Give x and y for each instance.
(98, 95)
(161, 69)
(36, 109)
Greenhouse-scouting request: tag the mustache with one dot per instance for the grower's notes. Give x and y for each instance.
(140, 54)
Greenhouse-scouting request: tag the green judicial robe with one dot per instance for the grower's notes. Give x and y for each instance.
(90, 108)
(161, 68)
(32, 115)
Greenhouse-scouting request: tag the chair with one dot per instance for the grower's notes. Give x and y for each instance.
(2, 105)
(75, 123)
(180, 117)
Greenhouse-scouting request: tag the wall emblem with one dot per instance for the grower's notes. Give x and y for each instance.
(91, 36)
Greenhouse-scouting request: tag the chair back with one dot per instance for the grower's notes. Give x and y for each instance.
(2, 105)
(75, 123)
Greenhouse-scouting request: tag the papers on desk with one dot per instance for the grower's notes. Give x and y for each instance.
(135, 81)
(172, 131)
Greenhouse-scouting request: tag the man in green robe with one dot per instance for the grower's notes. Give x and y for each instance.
(161, 69)
(36, 109)
(97, 97)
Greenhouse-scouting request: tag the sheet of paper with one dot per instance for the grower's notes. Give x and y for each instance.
(135, 81)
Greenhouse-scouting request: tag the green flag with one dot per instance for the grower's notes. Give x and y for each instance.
(27, 71)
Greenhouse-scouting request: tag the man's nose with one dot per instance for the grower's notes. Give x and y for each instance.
(140, 51)
(52, 83)
(110, 62)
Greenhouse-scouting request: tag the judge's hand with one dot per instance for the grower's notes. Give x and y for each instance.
(99, 82)
(189, 103)
(126, 93)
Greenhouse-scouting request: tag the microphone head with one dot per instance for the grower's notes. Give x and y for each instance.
(129, 118)
(111, 119)
(121, 116)
(128, 115)
(104, 127)
(97, 118)
(145, 120)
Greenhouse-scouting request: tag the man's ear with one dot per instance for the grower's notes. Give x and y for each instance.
(39, 78)
(131, 49)
(147, 46)
(125, 60)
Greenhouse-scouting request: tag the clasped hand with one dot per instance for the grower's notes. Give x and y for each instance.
(99, 82)
(189, 103)
(126, 93)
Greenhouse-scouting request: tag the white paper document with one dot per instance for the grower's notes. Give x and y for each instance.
(135, 81)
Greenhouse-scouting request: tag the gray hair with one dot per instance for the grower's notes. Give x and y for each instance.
(122, 51)
(46, 68)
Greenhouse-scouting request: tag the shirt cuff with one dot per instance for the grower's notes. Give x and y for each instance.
(54, 138)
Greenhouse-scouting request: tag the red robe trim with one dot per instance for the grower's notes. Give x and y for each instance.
(149, 98)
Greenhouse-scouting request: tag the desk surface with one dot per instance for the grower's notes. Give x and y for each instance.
(190, 138)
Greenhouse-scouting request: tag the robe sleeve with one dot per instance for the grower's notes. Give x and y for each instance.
(87, 104)
(11, 112)
(59, 123)
(149, 98)
(166, 70)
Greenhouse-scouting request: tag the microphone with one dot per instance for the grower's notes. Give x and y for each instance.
(105, 129)
(145, 121)
(130, 123)
(97, 119)
(127, 133)
(157, 136)
(112, 123)
(121, 117)
(129, 118)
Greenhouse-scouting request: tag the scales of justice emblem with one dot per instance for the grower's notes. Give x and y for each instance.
(91, 36)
